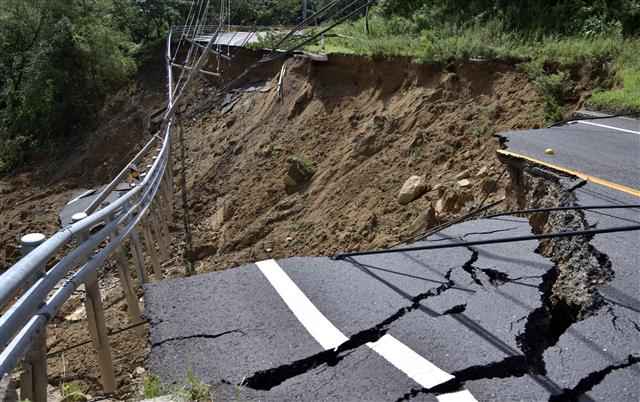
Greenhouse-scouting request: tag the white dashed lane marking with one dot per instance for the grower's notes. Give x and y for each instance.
(328, 336)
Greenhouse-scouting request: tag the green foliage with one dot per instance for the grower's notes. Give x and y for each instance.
(56, 60)
(480, 131)
(306, 163)
(151, 386)
(550, 86)
(625, 99)
(73, 391)
(194, 388)
(269, 150)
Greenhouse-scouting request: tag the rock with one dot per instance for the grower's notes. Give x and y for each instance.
(78, 315)
(289, 238)
(438, 189)
(483, 170)
(447, 203)
(297, 174)
(224, 211)
(412, 188)
(268, 250)
(464, 183)
(463, 175)
(139, 371)
(425, 220)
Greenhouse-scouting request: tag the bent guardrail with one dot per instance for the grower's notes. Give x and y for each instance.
(34, 295)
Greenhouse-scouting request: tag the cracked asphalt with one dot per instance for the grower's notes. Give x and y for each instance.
(481, 314)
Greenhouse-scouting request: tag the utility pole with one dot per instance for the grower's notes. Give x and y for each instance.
(304, 10)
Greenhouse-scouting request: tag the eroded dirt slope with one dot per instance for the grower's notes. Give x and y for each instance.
(367, 125)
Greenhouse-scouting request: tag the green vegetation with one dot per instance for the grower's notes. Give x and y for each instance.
(151, 386)
(194, 388)
(545, 33)
(73, 391)
(480, 132)
(272, 150)
(305, 162)
(626, 98)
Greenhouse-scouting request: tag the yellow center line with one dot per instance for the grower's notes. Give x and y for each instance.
(581, 175)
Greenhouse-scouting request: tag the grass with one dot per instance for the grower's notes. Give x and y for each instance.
(194, 388)
(480, 131)
(490, 40)
(151, 386)
(271, 150)
(626, 98)
(73, 391)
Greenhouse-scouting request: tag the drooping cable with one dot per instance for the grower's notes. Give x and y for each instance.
(511, 239)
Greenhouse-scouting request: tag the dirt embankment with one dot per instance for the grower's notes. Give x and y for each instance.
(367, 126)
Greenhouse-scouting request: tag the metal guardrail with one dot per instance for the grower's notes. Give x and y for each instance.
(34, 295)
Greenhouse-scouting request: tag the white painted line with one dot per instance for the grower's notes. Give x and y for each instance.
(313, 320)
(409, 362)
(462, 396)
(610, 127)
(85, 194)
(395, 352)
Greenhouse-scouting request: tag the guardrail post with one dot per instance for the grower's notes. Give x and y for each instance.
(33, 380)
(125, 281)
(96, 319)
(136, 251)
(162, 241)
(151, 248)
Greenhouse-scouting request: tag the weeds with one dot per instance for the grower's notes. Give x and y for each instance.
(73, 391)
(305, 162)
(271, 150)
(551, 86)
(480, 131)
(151, 386)
(194, 388)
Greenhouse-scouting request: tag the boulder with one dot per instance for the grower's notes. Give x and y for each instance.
(448, 202)
(483, 170)
(297, 174)
(463, 175)
(464, 183)
(412, 188)
(425, 220)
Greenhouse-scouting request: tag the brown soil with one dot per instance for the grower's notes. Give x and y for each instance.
(367, 125)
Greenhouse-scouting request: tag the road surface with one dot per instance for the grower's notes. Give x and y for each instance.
(461, 324)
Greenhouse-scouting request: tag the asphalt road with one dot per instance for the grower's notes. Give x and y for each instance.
(459, 324)
(586, 146)
(464, 314)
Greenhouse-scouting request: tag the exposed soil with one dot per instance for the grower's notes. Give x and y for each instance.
(366, 124)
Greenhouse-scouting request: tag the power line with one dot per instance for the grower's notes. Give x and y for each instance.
(553, 235)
